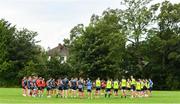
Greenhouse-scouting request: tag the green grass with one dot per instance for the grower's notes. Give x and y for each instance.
(14, 96)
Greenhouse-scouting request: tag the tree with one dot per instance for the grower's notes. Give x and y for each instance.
(18, 48)
(96, 48)
(164, 46)
(137, 18)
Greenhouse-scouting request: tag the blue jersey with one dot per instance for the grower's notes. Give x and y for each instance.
(73, 83)
(89, 85)
(49, 83)
(24, 83)
(34, 82)
(29, 84)
(65, 82)
(59, 83)
(150, 83)
(53, 83)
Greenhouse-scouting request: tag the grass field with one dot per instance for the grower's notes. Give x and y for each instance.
(14, 96)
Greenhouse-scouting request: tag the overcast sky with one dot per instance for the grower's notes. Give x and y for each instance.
(53, 19)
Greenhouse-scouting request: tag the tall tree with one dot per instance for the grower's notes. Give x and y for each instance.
(97, 47)
(17, 49)
(164, 47)
(138, 16)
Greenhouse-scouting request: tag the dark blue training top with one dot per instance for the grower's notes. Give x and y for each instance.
(25, 82)
(89, 85)
(73, 82)
(29, 84)
(65, 82)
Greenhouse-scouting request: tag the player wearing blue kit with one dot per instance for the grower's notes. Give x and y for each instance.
(80, 87)
(59, 87)
(29, 85)
(89, 88)
(150, 86)
(49, 87)
(66, 87)
(53, 85)
(74, 87)
(35, 87)
(70, 86)
(24, 86)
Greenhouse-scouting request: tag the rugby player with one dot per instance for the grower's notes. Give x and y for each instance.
(89, 88)
(123, 87)
(108, 88)
(116, 87)
(24, 86)
(98, 87)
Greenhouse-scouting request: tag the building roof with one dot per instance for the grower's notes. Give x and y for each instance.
(59, 50)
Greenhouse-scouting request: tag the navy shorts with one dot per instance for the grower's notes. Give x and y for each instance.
(49, 88)
(53, 87)
(89, 90)
(128, 88)
(123, 88)
(80, 89)
(60, 88)
(102, 87)
(32, 88)
(133, 88)
(144, 88)
(65, 88)
(138, 90)
(115, 90)
(98, 88)
(108, 90)
(74, 88)
(150, 88)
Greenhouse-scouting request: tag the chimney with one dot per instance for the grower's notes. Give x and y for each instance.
(60, 46)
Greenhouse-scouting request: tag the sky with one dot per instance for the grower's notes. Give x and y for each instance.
(53, 19)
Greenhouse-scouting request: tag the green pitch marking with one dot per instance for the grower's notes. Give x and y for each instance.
(14, 96)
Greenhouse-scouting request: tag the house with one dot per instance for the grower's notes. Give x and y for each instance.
(61, 51)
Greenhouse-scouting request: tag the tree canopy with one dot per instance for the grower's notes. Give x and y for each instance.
(140, 40)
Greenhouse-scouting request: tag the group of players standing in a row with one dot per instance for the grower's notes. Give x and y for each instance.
(34, 86)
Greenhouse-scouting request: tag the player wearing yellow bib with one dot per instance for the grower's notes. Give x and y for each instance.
(146, 88)
(123, 87)
(128, 87)
(108, 88)
(138, 87)
(98, 87)
(128, 84)
(142, 87)
(116, 87)
(133, 87)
